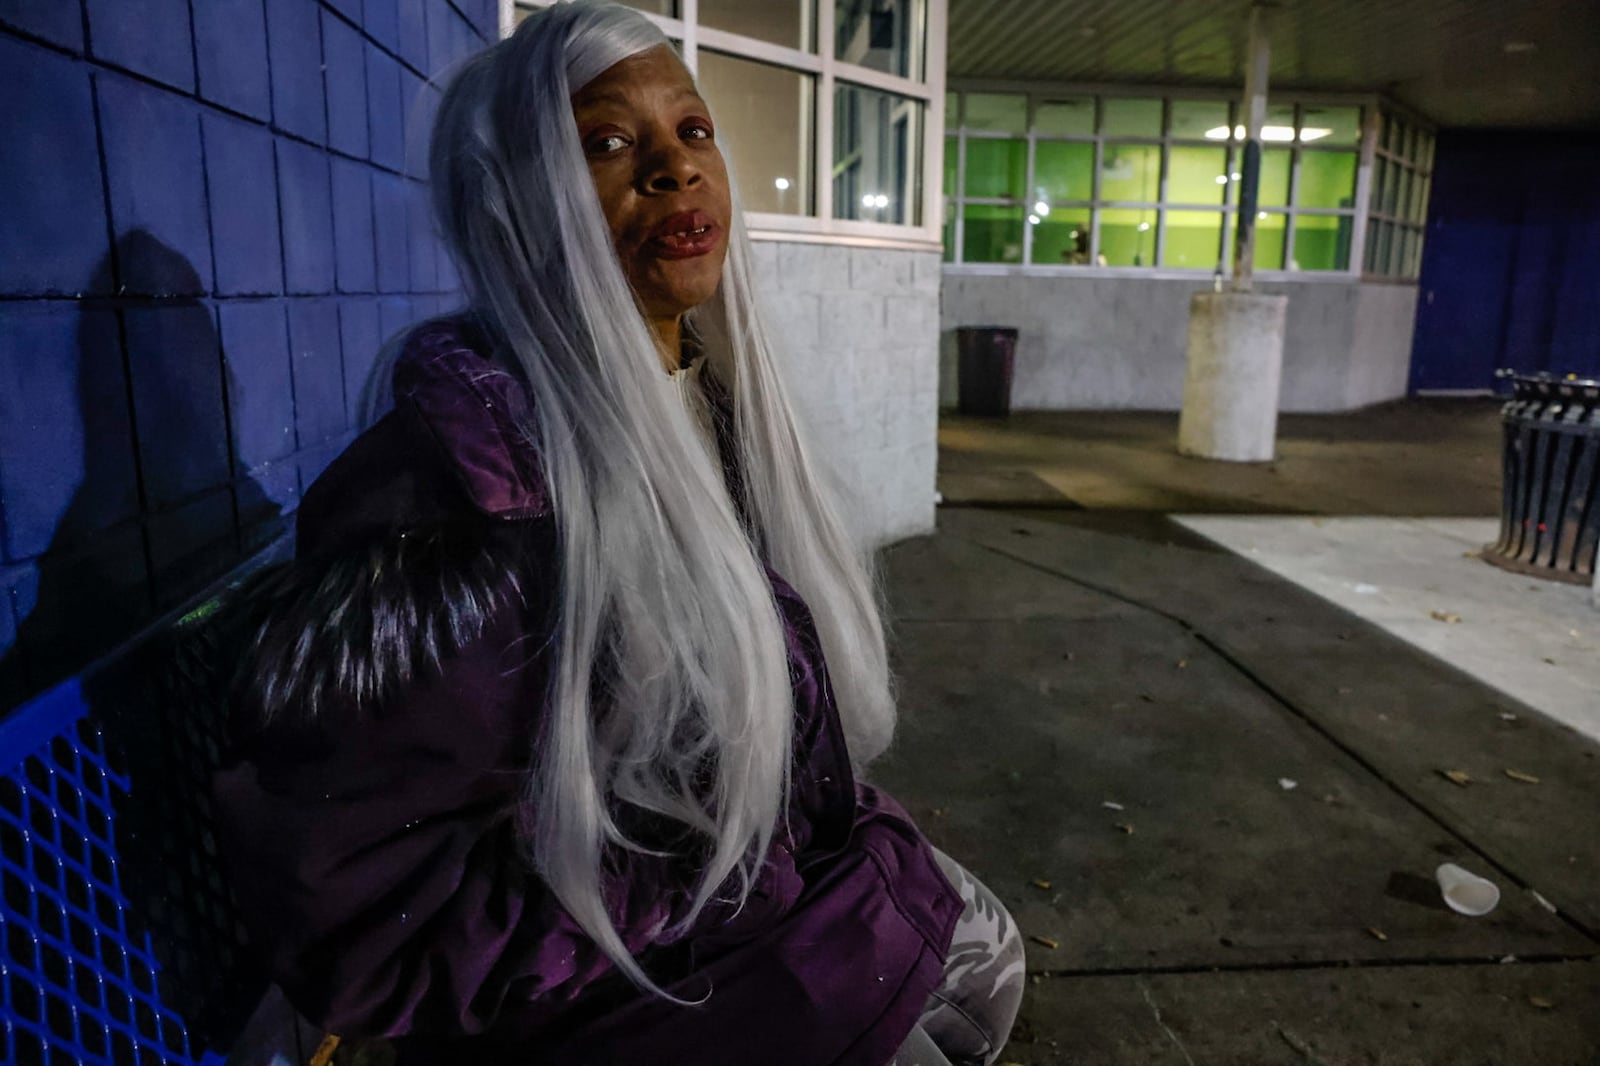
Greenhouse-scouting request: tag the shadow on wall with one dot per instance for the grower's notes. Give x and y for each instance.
(160, 509)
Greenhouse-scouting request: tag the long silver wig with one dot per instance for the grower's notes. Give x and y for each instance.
(671, 692)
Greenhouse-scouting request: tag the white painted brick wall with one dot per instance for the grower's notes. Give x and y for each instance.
(858, 336)
(1086, 343)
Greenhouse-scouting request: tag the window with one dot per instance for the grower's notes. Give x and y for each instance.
(764, 117)
(877, 156)
(883, 35)
(1061, 179)
(1403, 174)
(783, 22)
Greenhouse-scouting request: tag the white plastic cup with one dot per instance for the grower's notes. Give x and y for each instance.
(1465, 892)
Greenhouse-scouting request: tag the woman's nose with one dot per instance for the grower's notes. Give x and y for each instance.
(670, 169)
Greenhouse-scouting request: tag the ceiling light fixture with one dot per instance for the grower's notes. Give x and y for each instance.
(1269, 133)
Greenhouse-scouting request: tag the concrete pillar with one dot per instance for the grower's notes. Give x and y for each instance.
(1235, 365)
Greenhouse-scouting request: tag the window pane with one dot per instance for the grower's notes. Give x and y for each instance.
(1420, 189)
(1330, 125)
(1321, 242)
(1128, 236)
(1065, 118)
(1327, 179)
(1383, 195)
(1393, 129)
(1131, 172)
(1062, 238)
(996, 168)
(1063, 171)
(1194, 239)
(1001, 114)
(1200, 119)
(991, 234)
(952, 110)
(1279, 127)
(877, 156)
(785, 22)
(1425, 151)
(1382, 264)
(885, 35)
(1193, 173)
(1271, 228)
(949, 231)
(952, 160)
(763, 116)
(1412, 265)
(1132, 118)
(1274, 188)
(1372, 248)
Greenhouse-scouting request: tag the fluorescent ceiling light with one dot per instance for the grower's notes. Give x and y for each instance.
(1269, 133)
(782, 184)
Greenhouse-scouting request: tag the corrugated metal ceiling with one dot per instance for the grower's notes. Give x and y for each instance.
(1483, 63)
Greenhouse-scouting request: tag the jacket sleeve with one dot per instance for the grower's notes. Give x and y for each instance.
(375, 853)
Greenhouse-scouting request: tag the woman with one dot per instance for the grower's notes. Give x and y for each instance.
(539, 757)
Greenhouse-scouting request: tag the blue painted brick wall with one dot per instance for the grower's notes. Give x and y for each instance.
(344, 71)
(231, 52)
(232, 220)
(52, 233)
(149, 37)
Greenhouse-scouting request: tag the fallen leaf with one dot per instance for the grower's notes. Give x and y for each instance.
(1112, 805)
(1456, 777)
(1288, 784)
(1518, 775)
(1541, 1002)
(1377, 934)
(1125, 827)
(1447, 617)
(1044, 941)
(1508, 960)
(1039, 882)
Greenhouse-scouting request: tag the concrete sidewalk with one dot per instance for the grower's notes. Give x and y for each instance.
(1215, 802)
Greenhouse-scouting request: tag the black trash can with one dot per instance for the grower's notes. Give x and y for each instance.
(1550, 511)
(987, 356)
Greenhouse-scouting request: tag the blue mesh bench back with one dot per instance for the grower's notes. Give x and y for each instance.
(120, 940)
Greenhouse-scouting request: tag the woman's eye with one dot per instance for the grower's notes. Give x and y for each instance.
(698, 132)
(611, 142)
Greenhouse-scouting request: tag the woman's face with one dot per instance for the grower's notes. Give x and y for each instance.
(652, 152)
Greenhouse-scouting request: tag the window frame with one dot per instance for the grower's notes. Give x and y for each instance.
(1037, 94)
(927, 90)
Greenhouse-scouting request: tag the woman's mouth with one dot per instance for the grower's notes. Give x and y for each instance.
(684, 236)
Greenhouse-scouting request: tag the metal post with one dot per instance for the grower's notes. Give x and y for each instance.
(1255, 116)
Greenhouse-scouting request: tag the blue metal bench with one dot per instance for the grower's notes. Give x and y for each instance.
(119, 940)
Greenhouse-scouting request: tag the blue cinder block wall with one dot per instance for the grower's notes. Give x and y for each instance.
(1511, 266)
(211, 215)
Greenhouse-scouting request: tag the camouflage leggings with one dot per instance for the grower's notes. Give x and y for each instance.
(968, 1017)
